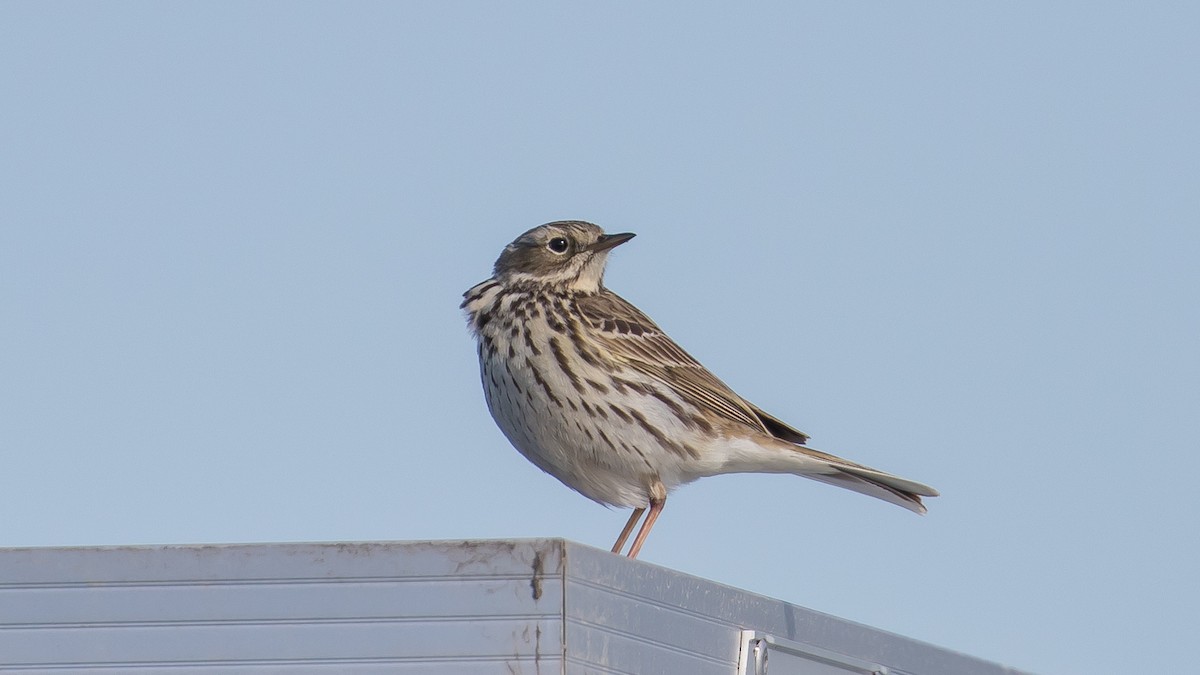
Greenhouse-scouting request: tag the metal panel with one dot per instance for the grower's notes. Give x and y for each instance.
(702, 618)
(465, 608)
(796, 658)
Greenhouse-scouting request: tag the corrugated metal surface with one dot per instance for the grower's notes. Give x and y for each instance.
(537, 606)
(631, 617)
(466, 607)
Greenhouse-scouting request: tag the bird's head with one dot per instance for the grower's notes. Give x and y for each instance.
(568, 255)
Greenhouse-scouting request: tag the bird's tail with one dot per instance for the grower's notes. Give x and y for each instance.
(834, 470)
(898, 491)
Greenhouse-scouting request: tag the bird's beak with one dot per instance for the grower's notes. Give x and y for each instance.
(607, 241)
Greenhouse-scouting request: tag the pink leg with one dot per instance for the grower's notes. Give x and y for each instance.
(633, 518)
(656, 507)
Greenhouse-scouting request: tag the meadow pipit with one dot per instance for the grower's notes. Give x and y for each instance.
(590, 390)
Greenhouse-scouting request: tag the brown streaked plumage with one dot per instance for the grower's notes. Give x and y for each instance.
(590, 390)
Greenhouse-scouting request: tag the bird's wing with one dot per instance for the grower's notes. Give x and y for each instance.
(778, 428)
(632, 338)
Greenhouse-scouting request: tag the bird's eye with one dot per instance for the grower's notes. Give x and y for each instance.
(558, 245)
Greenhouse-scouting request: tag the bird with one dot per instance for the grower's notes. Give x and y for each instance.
(590, 390)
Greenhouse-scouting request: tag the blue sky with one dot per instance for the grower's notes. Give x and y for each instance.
(954, 241)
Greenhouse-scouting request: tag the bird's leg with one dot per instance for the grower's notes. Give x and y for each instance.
(656, 507)
(633, 518)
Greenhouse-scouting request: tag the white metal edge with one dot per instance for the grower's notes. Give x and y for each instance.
(756, 647)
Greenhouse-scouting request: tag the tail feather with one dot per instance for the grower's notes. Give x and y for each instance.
(872, 487)
(889, 481)
(865, 480)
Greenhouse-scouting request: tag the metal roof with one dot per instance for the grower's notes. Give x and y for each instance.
(512, 606)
